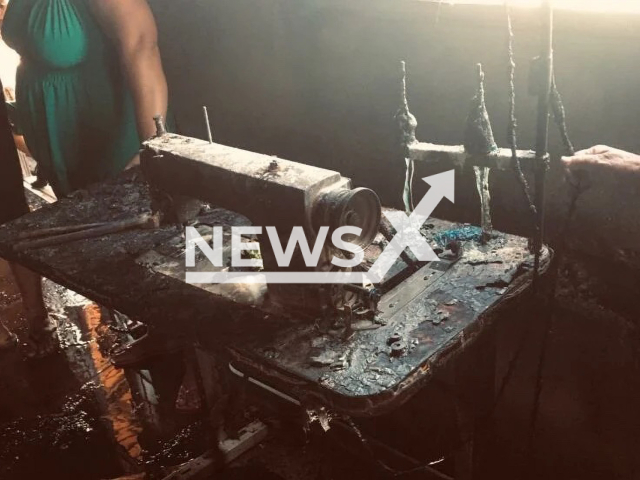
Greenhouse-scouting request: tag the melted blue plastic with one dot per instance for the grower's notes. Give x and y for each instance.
(462, 234)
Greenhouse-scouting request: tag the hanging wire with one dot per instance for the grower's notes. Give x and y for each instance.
(513, 124)
(575, 191)
(560, 118)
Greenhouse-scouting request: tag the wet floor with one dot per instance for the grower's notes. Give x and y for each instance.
(73, 415)
(71, 411)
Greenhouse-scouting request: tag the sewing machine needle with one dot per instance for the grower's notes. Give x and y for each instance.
(207, 124)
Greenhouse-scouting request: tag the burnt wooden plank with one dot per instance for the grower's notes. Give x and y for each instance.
(456, 155)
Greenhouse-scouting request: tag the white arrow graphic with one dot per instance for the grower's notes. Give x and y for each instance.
(408, 227)
(442, 185)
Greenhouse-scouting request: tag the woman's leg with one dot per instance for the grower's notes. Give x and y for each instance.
(30, 285)
(43, 338)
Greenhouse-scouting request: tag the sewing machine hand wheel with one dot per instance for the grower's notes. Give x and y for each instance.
(359, 207)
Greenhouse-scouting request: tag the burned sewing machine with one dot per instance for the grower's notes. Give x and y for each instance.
(277, 193)
(359, 346)
(286, 195)
(353, 341)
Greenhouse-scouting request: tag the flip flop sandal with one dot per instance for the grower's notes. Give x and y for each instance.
(9, 344)
(43, 343)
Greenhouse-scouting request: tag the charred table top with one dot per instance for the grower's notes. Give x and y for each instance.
(460, 300)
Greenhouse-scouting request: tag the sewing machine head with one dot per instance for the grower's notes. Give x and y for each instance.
(270, 192)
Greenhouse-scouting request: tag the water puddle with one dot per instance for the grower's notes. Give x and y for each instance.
(71, 411)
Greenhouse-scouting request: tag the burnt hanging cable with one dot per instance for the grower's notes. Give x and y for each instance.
(557, 108)
(543, 82)
(543, 88)
(559, 116)
(512, 141)
(513, 124)
(554, 103)
(561, 245)
(513, 144)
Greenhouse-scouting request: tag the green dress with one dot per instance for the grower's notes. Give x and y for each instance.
(73, 105)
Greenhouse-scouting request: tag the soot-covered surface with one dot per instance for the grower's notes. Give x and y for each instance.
(105, 270)
(448, 309)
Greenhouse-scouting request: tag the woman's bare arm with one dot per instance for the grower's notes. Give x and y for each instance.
(132, 28)
(21, 144)
(606, 220)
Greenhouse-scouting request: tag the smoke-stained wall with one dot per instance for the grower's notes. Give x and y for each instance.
(318, 82)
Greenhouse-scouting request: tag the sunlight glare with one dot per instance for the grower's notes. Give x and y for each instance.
(602, 6)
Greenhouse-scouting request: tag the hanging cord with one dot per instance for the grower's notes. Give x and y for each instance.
(576, 189)
(541, 87)
(513, 124)
(551, 304)
(512, 140)
(559, 117)
(557, 107)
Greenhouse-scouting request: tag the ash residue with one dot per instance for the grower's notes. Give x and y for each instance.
(451, 302)
(487, 267)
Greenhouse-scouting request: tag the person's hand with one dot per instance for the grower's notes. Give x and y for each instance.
(607, 220)
(600, 164)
